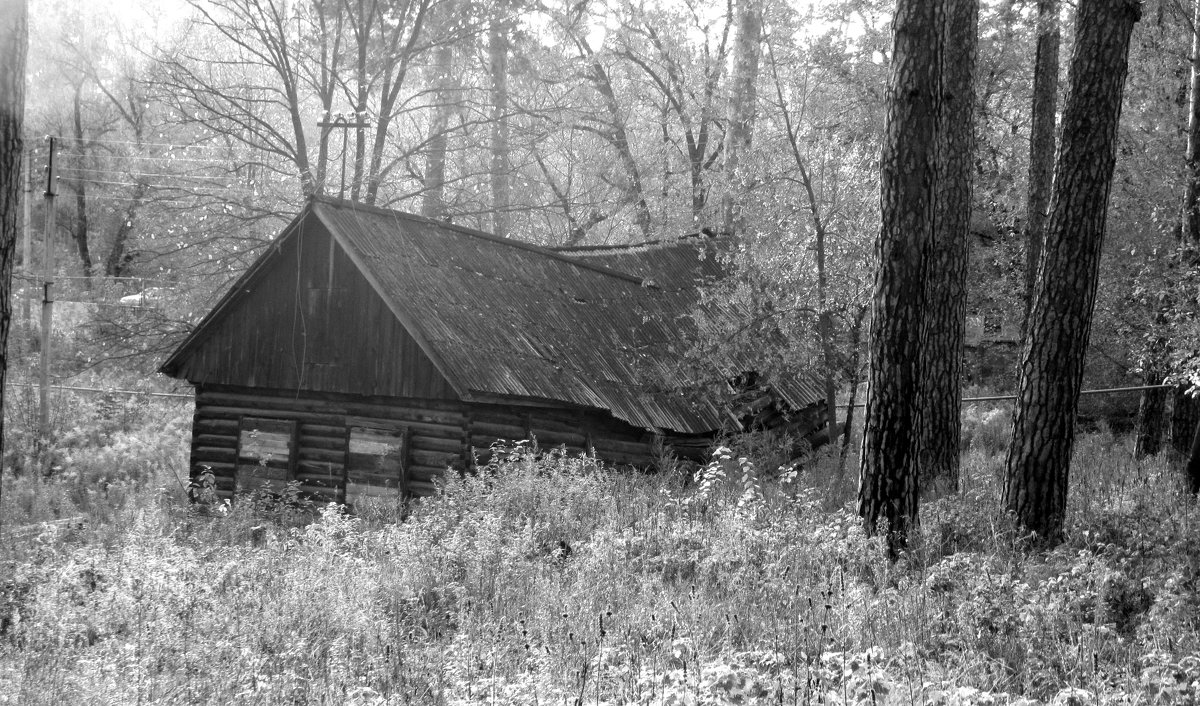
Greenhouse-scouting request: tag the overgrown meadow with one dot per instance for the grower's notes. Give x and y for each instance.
(550, 579)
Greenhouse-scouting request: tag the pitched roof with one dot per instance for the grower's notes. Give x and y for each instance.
(597, 327)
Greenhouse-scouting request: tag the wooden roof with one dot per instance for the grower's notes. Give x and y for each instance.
(506, 320)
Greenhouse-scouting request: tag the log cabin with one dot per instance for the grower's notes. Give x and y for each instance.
(367, 351)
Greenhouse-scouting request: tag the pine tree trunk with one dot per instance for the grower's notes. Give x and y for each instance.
(1152, 407)
(1052, 360)
(852, 373)
(743, 100)
(946, 262)
(1041, 144)
(13, 42)
(1185, 416)
(1193, 464)
(1152, 417)
(888, 486)
(500, 167)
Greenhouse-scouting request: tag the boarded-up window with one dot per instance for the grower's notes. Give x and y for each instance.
(265, 454)
(375, 467)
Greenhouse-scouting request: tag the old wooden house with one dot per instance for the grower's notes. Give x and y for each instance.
(368, 351)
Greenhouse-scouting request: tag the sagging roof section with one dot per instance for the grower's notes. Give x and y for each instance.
(593, 327)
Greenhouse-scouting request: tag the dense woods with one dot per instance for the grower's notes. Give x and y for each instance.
(907, 209)
(188, 132)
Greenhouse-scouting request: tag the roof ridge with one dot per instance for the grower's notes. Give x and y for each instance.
(482, 235)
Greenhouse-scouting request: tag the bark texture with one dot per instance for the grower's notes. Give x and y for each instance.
(743, 101)
(946, 262)
(888, 483)
(1185, 416)
(1152, 407)
(1041, 144)
(13, 41)
(1052, 360)
(1190, 232)
(1193, 464)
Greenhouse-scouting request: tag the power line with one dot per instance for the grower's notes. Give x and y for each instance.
(141, 144)
(137, 174)
(105, 391)
(1000, 398)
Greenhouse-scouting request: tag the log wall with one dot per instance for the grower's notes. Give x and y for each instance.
(438, 434)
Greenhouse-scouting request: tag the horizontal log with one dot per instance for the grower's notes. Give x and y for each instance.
(425, 443)
(607, 445)
(308, 402)
(214, 453)
(233, 412)
(497, 431)
(373, 478)
(315, 468)
(425, 411)
(554, 438)
(337, 456)
(208, 425)
(423, 490)
(356, 491)
(320, 477)
(431, 458)
(215, 440)
(569, 423)
(323, 442)
(308, 430)
(425, 473)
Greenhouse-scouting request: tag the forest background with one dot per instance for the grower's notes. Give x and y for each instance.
(186, 135)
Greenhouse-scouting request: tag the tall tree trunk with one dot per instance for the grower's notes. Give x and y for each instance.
(1185, 416)
(853, 375)
(1190, 232)
(1152, 407)
(1041, 144)
(80, 230)
(1052, 360)
(433, 200)
(1193, 464)
(500, 167)
(118, 256)
(362, 35)
(13, 42)
(888, 487)
(946, 262)
(433, 204)
(1152, 413)
(743, 99)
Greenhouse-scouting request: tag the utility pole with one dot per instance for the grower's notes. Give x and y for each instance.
(47, 301)
(340, 120)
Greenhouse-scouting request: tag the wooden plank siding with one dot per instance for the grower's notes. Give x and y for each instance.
(312, 321)
(438, 435)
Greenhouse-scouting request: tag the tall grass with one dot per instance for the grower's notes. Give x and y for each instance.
(552, 579)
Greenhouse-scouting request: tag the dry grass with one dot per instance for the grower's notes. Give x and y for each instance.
(553, 580)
